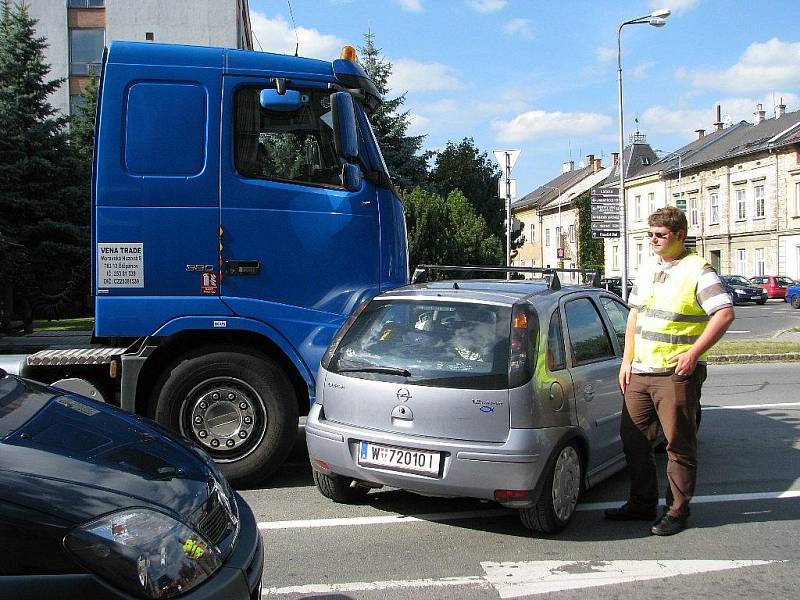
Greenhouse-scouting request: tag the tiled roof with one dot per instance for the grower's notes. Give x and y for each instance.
(546, 193)
(637, 157)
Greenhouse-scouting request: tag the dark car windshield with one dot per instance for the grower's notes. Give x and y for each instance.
(19, 401)
(737, 280)
(452, 344)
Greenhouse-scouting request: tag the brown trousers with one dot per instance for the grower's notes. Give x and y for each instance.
(669, 403)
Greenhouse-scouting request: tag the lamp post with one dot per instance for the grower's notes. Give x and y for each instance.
(657, 18)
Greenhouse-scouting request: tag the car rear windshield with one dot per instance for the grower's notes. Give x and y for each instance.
(447, 344)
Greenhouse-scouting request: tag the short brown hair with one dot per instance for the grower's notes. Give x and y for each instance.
(669, 216)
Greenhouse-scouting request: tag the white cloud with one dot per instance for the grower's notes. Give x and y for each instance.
(540, 124)
(487, 6)
(520, 27)
(410, 75)
(605, 54)
(763, 66)
(684, 121)
(676, 6)
(510, 101)
(641, 70)
(410, 5)
(277, 35)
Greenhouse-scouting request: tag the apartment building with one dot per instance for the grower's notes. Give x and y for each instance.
(78, 30)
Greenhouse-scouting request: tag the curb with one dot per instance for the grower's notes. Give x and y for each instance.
(753, 358)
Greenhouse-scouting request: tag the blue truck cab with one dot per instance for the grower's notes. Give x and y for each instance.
(241, 210)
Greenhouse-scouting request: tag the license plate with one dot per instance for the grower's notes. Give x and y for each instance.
(408, 460)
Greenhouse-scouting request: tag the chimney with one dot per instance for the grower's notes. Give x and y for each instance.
(598, 165)
(700, 133)
(780, 110)
(590, 160)
(614, 158)
(567, 166)
(759, 114)
(718, 125)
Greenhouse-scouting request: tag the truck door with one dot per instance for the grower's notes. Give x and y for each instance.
(295, 244)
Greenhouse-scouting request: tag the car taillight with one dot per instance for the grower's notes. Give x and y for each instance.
(519, 371)
(501, 495)
(326, 358)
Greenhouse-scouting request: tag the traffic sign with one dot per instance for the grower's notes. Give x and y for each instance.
(500, 157)
(681, 204)
(502, 190)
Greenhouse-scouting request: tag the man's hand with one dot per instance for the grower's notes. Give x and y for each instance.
(624, 375)
(684, 362)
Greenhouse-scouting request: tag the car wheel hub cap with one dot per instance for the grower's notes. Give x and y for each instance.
(566, 483)
(224, 416)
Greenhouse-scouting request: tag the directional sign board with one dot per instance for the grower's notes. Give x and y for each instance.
(606, 213)
(500, 157)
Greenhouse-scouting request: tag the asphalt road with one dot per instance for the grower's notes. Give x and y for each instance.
(763, 322)
(742, 542)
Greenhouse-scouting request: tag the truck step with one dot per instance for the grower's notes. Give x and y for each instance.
(73, 356)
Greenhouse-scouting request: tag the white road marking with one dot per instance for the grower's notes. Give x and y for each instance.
(514, 579)
(738, 331)
(498, 512)
(753, 406)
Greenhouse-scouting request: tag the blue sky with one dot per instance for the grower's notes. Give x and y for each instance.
(540, 75)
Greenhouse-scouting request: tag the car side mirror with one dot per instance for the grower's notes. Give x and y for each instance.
(345, 135)
(289, 101)
(352, 177)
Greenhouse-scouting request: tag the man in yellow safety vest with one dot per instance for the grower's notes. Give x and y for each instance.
(680, 309)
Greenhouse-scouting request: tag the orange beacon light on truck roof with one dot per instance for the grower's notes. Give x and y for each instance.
(348, 53)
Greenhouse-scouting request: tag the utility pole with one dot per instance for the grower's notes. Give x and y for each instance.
(507, 189)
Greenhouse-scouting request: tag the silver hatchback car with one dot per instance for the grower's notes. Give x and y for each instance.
(492, 389)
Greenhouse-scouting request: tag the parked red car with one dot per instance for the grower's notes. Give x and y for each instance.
(774, 284)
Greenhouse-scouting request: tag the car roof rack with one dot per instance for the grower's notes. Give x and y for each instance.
(550, 274)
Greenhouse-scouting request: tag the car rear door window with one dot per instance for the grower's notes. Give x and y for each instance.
(555, 344)
(588, 337)
(618, 315)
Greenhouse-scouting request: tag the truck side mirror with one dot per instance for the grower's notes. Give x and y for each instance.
(351, 177)
(289, 101)
(345, 135)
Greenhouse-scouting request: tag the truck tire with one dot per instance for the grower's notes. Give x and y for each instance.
(337, 488)
(235, 404)
(556, 505)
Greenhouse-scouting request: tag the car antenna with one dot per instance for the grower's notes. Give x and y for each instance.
(455, 286)
(296, 37)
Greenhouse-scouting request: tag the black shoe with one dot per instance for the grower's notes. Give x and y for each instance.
(627, 513)
(669, 525)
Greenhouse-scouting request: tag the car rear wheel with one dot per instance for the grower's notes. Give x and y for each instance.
(337, 488)
(795, 301)
(559, 497)
(235, 404)
(760, 302)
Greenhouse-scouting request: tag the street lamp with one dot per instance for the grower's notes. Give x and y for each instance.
(657, 18)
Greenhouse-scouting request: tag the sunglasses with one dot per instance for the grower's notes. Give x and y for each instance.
(658, 235)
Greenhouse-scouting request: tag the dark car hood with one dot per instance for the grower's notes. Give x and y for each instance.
(89, 459)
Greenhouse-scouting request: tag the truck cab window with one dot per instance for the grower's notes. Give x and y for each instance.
(295, 146)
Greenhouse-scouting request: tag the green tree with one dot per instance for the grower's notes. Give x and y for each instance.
(407, 165)
(591, 253)
(447, 231)
(43, 205)
(81, 126)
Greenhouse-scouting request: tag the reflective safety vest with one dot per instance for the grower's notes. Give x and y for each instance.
(670, 319)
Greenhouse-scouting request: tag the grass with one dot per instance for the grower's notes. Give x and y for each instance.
(82, 324)
(726, 347)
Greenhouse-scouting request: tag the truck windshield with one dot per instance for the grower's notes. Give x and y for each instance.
(453, 344)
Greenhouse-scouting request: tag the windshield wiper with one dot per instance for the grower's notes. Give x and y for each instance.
(386, 370)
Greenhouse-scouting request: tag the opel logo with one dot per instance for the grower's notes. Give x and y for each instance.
(403, 395)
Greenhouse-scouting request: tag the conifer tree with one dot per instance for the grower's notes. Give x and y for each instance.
(407, 165)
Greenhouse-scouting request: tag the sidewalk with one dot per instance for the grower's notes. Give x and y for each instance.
(781, 336)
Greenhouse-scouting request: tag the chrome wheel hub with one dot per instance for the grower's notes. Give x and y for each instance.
(224, 415)
(566, 483)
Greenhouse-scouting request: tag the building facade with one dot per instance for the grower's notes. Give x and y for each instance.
(78, 30)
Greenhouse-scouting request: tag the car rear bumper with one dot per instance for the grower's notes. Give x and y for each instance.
(470, 469)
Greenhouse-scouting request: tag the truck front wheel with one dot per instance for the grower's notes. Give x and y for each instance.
(237, 405)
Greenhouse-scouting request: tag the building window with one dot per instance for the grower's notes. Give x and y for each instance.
(741, 262)
(714, 203)
(86, 50)
(546, 237)
(693, 211)
(86, 3)
(759, 260)
(638, 254)
(572, 233)
(558, 237)
(797, 198)
(741, 204)
(533, 232)
(651, 203)
(637, 207)
(615, 257)
(758, 194)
